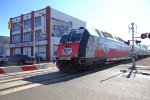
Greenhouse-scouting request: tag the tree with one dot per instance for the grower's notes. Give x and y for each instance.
(3, 44)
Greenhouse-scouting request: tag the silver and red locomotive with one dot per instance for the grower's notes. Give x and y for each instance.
(85, 48)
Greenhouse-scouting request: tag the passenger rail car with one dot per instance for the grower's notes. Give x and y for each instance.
(85, 48)
(142, 51)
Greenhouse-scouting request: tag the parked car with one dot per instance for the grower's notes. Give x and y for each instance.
(20, 59)
(38, 59)
(4, 59)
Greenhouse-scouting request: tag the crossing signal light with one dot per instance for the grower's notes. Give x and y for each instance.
(137, 41)
(143, 36)
(149, 35)
(9, 25)
(128, 42)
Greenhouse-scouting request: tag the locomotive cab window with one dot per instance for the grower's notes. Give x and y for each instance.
(76, 37)
(65, 39)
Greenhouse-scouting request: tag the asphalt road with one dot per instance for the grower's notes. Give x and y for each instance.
(105, 83)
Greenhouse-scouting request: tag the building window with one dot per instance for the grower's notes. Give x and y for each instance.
(27, 36)
(44, 36)
(38, 35)
(37, 21)
(16, 38)
(27, 23)
(16, 27)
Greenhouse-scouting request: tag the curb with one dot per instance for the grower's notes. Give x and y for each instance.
(14, 69)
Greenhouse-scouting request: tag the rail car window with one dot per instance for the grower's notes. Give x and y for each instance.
(76, 37)
(116, 38)
(121, 40)
(98, 32)
(105, 34)
(65, 39)
(109, 35)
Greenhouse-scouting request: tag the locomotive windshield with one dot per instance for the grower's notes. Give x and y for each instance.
(65, 39)
(70, 38)
(76, 37)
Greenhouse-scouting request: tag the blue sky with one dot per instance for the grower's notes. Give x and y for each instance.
(112, 16)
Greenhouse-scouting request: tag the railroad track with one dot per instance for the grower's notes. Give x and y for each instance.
(26, 80)
(19, 85)
(20, 76)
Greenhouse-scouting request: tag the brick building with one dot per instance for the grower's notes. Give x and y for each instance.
(38, 32)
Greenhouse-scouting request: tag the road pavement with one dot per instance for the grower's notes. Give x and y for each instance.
(106, 83)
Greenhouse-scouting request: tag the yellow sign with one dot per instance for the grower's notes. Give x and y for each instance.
(9, 25)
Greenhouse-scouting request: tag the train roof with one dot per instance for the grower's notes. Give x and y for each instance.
(96, 32)
(99, 33)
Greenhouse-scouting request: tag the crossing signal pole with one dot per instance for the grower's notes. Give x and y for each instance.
(133, 48)
(149, 35)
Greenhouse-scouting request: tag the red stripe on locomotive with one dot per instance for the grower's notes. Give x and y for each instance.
(112, 53)
(73, 45)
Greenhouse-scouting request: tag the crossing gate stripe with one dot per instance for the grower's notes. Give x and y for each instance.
(15, 69)
(2, 71)
(28, 68)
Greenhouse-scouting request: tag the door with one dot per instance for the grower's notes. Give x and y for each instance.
(27, 51)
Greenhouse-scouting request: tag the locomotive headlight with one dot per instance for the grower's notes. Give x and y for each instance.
(67, 44)
(76, 55)
(56, 55)
(79, 60)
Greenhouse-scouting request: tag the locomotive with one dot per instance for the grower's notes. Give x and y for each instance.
(86, 48)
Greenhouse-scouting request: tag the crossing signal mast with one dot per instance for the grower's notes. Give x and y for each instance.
(133, 48)
(133, 52)
(137, 41)
(143, 36)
